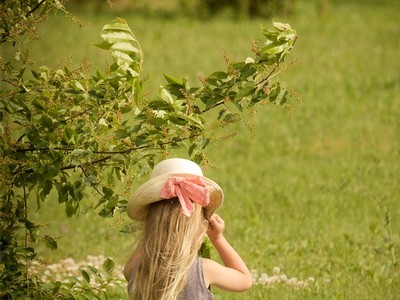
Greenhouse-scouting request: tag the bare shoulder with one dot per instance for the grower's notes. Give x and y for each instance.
(208, 270)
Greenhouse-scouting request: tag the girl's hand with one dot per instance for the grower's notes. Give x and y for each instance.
(216, 227)
(234, 274)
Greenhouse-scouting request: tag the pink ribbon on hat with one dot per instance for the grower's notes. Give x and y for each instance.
(187, 189)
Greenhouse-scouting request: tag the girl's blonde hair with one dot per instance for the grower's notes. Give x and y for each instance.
(169, 245)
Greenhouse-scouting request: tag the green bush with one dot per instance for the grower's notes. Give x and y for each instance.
(80, 135)
(250, 8)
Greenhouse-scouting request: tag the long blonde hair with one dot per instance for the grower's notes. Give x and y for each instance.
(169, 245)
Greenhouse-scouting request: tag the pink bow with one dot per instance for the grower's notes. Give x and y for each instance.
(187, 189)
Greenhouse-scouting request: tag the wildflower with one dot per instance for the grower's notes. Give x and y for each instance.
(276, 270)
(278, 278)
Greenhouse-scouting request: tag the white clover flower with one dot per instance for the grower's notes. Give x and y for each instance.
(53, 268)
(263, 277)
(278, 278)
(283, 277)
(276, 270)
(311, 279)
(254, 275)
(69, 262)
(301, 284)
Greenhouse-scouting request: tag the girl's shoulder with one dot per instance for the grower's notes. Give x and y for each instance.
(223, 277)
(208, 266)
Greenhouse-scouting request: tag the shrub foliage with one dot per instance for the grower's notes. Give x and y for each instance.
(75, 134)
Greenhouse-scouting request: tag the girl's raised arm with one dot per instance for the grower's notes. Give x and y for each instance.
(234, 274)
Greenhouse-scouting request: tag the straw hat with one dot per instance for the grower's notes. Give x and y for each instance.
(150, 191)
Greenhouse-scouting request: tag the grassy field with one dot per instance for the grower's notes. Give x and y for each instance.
(316, 195)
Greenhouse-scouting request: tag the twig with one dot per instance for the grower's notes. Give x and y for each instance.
(215, 105)
(103, 159)
(69, 167)
(26, 236)
(106, 152)
(95, 187)
(269, 75)
(35, 8)
(73, 117)
(10, 82)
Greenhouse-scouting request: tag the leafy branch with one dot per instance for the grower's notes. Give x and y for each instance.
(35, 8)
(56, 122)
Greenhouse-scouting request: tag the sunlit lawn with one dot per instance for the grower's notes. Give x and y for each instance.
(316, 195)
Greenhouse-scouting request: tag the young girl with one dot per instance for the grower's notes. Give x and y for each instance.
(176, 208)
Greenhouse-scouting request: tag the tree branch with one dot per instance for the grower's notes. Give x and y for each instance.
(107, 152)
(35, 8)
(105, 158)
(69, 167)
(12, 83)
(95, 187)
(215, 105)
(73, 117)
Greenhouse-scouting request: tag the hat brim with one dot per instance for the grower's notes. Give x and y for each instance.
(149, 192)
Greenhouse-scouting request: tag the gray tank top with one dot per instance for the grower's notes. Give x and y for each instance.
(195, 288)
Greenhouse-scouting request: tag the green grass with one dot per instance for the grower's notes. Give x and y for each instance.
(311, 194)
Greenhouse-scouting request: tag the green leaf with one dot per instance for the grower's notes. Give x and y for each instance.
(218, 75)
(126, 109)
(282, 26)
(158, 104)
(247, 90)
(62, 192)
(29, 225)
(211, 101)
(107, 212)
(122, 56)
(166, 96)
(85, 276)
(142, 138)
(78, 152)
(278, 44)
(104, 45)
(71, 208)
(107, 192)
(172, 80)
(232, 118)
(35, 74)
(205, 249)
(91, 180)
(50, 242)
(48, 185)
(79, 86)
(113, 37)
(94, 271)
(56, 287)
(49, 173)
(203, 143)
(117, 24)
(278, 95)
(178, 119)
(121, 133)
(191, 149)
(38, 105)
(125, 47)
(108, 265)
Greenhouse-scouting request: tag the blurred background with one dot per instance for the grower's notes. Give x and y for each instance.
(311, 192)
